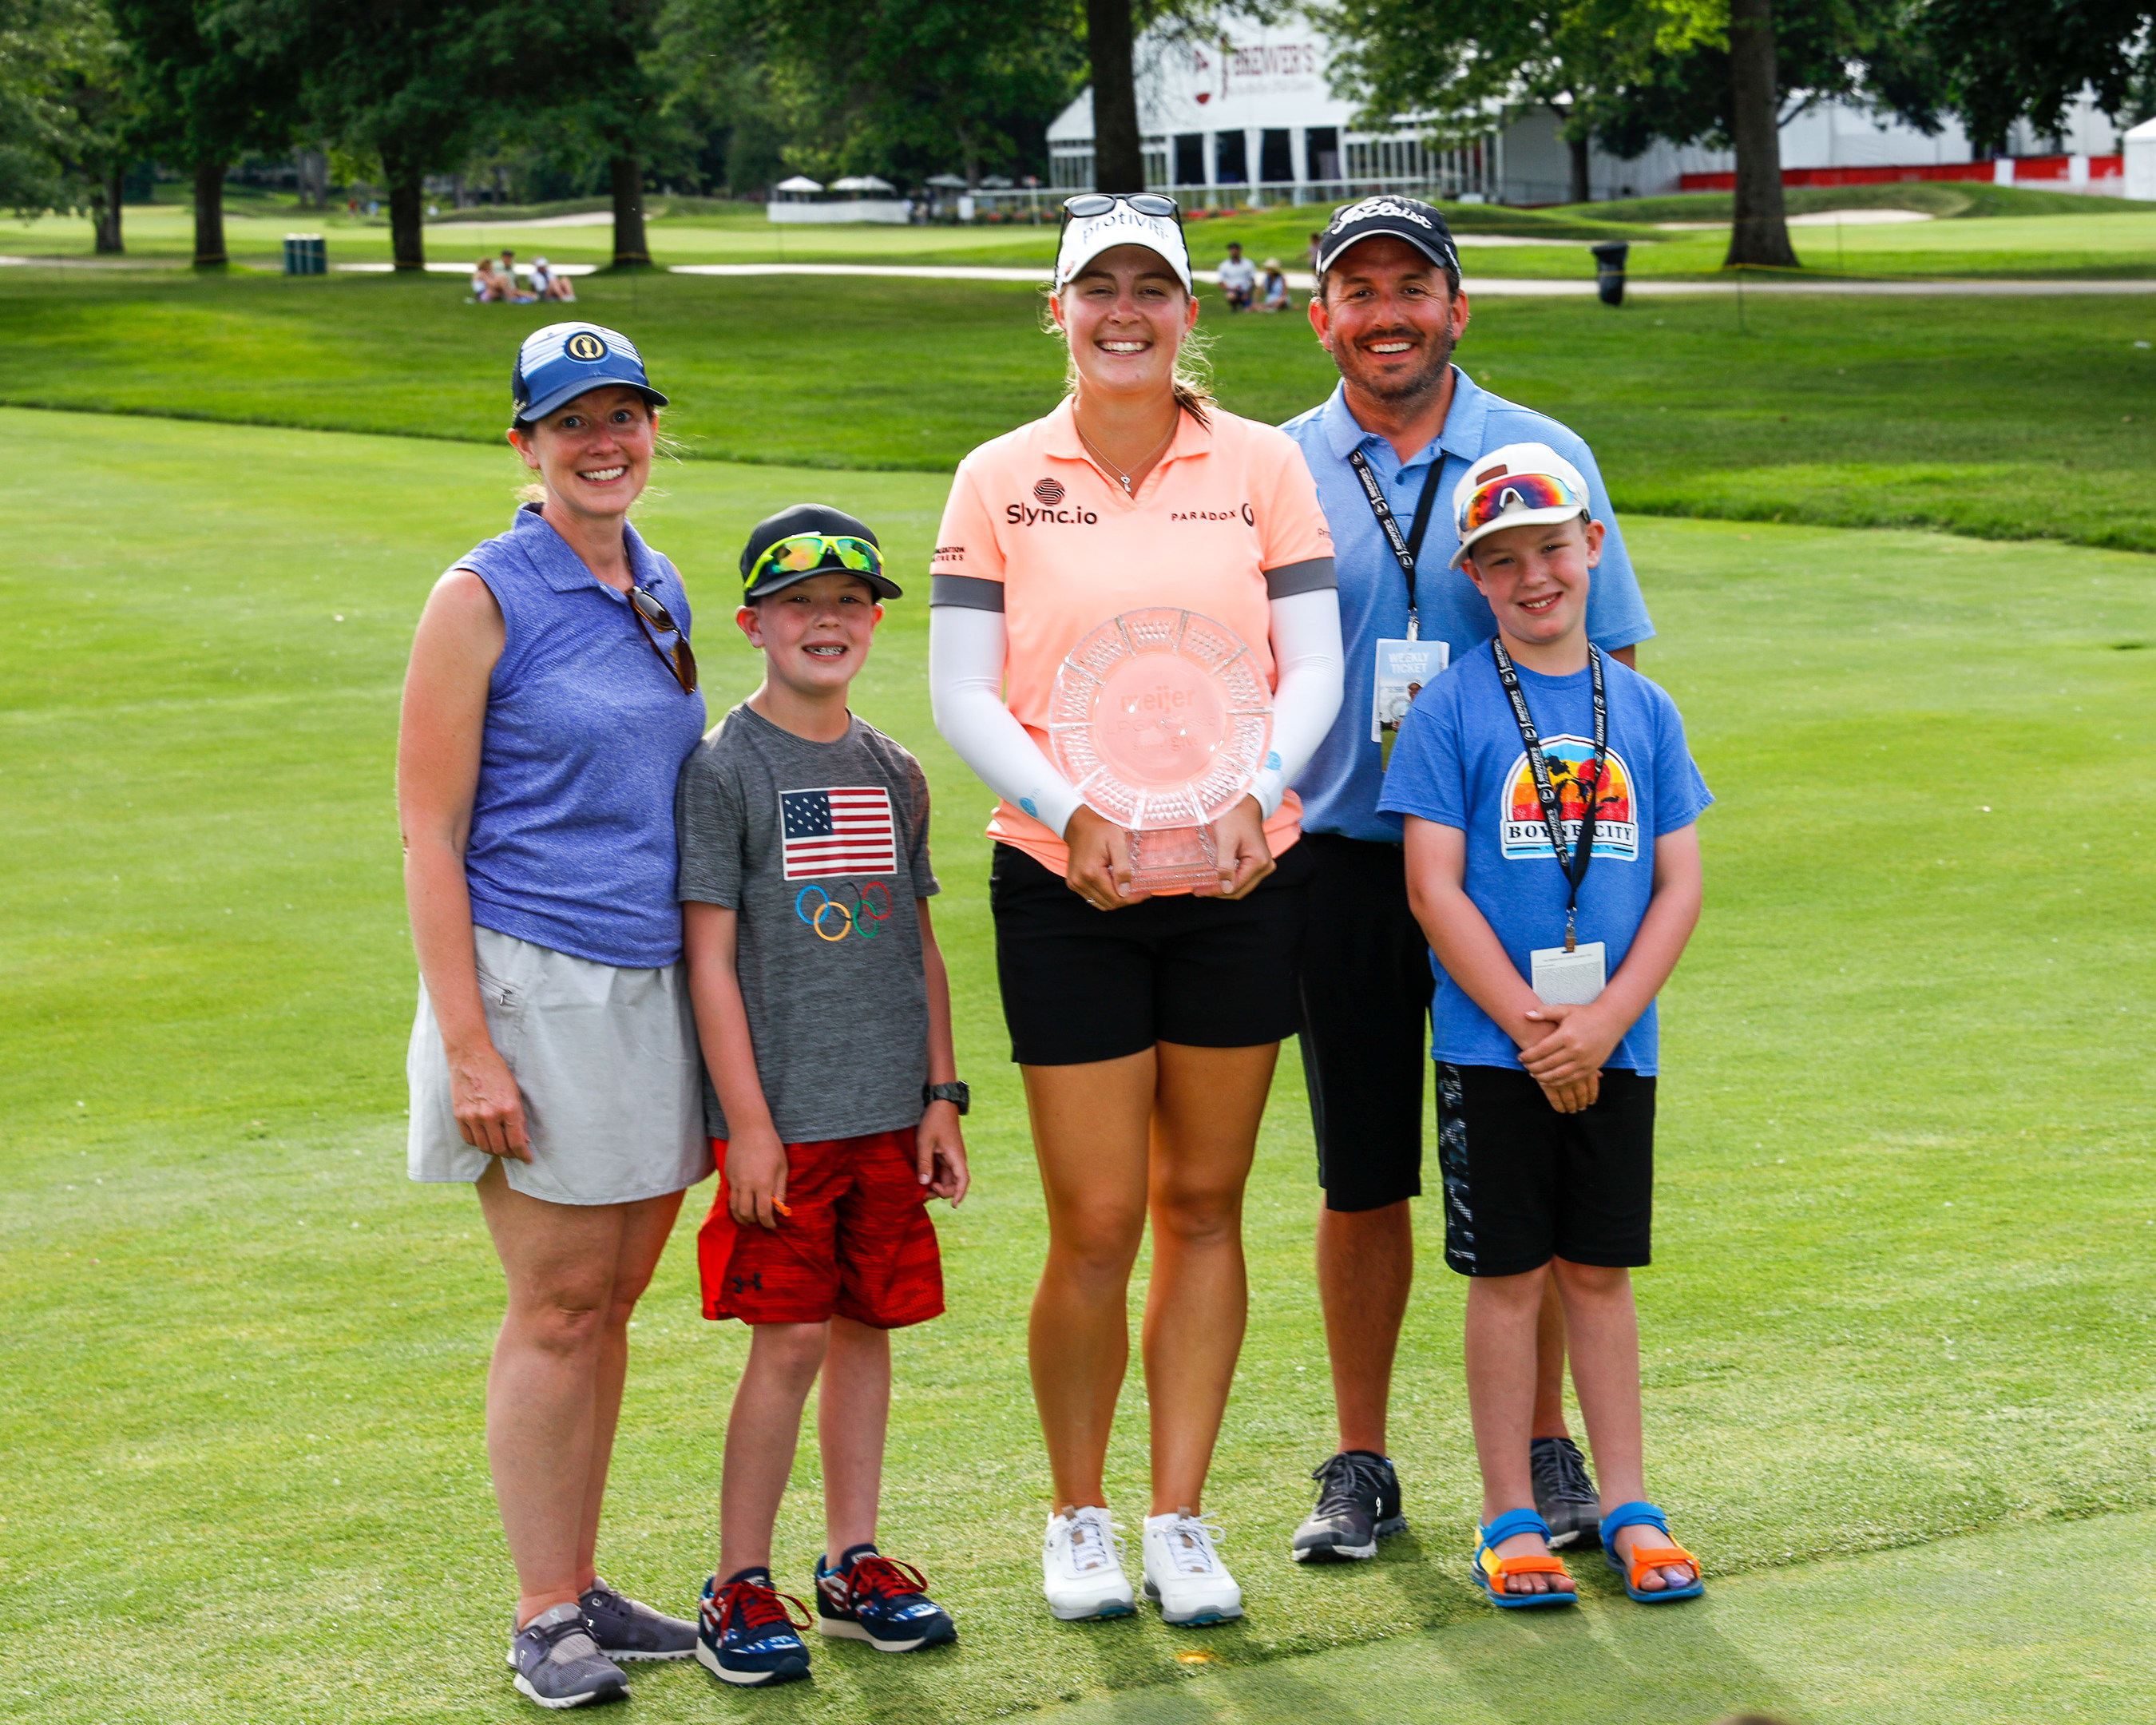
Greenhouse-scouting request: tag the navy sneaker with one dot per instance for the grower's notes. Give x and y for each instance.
(627, 1629)
(875, 1599)
(1564, 1494)
(558, 1665)
(1359, 1503)
(746, 1634)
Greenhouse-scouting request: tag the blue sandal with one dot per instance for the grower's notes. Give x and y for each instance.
(1489, 1570)
(1648, 1557)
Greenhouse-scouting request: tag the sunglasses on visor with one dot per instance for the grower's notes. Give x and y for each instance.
(1524, 490)
(650, 615)
(804, 552)
(1099, 204)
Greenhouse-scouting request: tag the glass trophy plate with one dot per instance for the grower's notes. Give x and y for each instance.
(1160, 721)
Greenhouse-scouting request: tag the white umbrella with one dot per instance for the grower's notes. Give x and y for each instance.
(800, 182)
(862, 182)
(947, 179)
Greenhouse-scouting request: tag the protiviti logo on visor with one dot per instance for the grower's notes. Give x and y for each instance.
(1087, 237)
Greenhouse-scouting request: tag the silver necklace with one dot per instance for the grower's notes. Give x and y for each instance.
(1124, 477)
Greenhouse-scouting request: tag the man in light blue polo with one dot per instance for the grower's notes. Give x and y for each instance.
(1387, 449)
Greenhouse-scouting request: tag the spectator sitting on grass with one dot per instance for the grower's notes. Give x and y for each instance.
(1273, 296)
(485, 289)
(1238, 277)
(510, 292)
(548, 285)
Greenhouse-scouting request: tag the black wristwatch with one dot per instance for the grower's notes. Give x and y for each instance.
(954, 1093)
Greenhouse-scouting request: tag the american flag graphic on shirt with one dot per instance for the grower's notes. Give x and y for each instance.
(842, 831)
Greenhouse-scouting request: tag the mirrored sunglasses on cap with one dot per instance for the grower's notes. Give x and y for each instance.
(1493, 498)
(805, 552)
(1099, 204)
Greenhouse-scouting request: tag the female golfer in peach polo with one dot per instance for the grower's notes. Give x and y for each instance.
(1146, 1026)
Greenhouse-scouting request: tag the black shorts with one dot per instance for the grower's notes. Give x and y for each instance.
(1365, 990)
(1524, 1183)
(1080, 985)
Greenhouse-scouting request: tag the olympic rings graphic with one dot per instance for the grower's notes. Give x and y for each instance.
(862, 915)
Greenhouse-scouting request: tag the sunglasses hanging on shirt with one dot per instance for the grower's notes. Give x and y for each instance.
(651, 614)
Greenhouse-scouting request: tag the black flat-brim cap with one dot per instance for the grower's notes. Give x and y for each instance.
(810, 518)
(1408, 218)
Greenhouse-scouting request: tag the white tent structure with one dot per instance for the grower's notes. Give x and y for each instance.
(870, 202)
(2140, 151)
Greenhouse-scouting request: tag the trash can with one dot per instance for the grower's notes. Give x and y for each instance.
(305, 254)
(1610, 269)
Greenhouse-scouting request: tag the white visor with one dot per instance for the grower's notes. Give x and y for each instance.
(1084, 237)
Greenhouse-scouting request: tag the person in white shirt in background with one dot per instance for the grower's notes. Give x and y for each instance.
(1238, 277)
(548, 285)
(1273, 296)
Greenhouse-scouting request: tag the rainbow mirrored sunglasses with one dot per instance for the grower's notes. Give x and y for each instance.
(805, 552)
(1492, 498)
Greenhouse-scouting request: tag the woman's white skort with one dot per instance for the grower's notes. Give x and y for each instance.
(607, 1064)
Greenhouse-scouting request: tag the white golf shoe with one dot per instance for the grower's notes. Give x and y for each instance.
(1183, 1575)
(1081, 1569)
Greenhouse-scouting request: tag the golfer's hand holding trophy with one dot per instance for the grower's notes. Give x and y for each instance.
(1160, 722)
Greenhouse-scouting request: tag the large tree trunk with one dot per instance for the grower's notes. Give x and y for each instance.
(629, 247)
(407, 228)
(1760, 233)
(1583, 192)
(209, 215)
(1118, 157)
(109, 243)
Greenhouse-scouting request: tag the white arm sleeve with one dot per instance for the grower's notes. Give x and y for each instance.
(1308, 670)
(966, 652)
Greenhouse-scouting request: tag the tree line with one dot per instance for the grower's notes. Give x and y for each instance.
(730, 95)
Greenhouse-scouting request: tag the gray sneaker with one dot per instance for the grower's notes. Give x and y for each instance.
(558, 1664)
(1359, 1503)
(627, 1629)
(1564, 1495)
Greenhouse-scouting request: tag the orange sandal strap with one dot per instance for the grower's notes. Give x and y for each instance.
(1497, 1568)
(1660, 1556)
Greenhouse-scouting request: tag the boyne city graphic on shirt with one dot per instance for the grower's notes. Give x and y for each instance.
(843, 830)
(1526, 834)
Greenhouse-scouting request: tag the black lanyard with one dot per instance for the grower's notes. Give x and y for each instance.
(1404, 550)
(1575, 871)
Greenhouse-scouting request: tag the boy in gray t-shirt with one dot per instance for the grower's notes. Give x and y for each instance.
(831, 1094)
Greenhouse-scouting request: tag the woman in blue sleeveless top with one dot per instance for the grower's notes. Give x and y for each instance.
(551, 700)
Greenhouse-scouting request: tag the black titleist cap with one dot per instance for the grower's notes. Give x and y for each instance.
(848, 547)
(1407, 219)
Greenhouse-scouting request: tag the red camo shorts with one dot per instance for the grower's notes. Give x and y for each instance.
(858, 1244)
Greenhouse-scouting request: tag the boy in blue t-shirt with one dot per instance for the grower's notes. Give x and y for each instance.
(1553, 862)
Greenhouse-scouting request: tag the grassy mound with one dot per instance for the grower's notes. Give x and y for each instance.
(1946, 200)
(2006, 418)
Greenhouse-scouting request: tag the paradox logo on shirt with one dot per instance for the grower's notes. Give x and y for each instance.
(1242, 513)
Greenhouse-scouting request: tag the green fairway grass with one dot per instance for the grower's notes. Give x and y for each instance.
(2004, 418)
(1908, 1194)
(2030, 234)
(2025, 1624)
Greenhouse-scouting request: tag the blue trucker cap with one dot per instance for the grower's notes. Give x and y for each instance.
(558, 364)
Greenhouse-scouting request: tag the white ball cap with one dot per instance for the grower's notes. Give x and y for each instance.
(1084, 237)
(1514, 461)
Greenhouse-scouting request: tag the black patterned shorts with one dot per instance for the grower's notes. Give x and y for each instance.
(1524, 1183)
